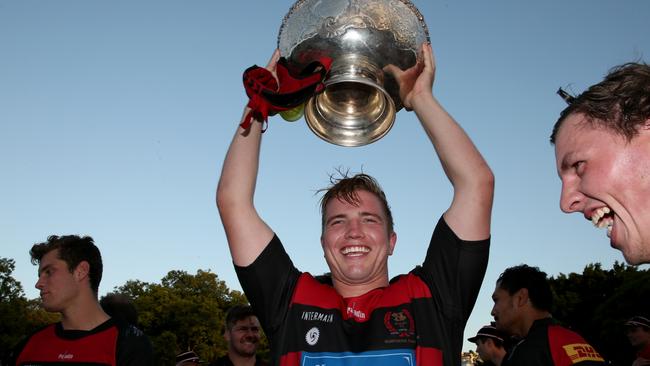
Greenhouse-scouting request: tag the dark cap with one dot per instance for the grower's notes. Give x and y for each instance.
(638, 321)
(488, 331)
(189, 356)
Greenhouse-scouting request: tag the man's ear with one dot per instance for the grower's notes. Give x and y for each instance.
(521, 297)
(391, 243)
(82, 270)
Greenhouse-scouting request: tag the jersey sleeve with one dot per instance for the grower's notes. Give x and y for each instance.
(268, 283)
(454, 270)
(569, 348)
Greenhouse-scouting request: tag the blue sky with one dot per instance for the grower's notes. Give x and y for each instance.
(115, 117)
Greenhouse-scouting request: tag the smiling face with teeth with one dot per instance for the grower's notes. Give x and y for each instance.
(357, 242)
(243, 337)
(606, 177)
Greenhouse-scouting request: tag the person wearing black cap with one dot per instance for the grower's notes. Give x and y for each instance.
(189, 358)
(637, 330)
(522, 308)
(490, 344)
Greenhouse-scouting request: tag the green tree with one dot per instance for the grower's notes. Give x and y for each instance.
(13, 306)
(597, 302)
(19, 316)
(10, 289)
(183, 312)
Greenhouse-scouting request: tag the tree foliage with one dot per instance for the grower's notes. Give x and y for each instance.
(186, 311)
(597, 302)
(19, 316)
(183, 312)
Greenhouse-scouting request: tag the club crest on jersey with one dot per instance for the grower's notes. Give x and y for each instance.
(579, 352)
(399, 323)
(312, 336)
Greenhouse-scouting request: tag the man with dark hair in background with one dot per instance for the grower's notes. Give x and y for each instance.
(69, 273)
(120, 306)
(602, 152)
(242, 333)
(522, 308)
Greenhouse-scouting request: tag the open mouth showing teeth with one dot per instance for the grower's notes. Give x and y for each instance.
(355, 250)
(603, 218)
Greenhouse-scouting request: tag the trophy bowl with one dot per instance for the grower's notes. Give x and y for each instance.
(359, 101)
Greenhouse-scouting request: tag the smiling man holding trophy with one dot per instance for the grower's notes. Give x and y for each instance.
(351, 64)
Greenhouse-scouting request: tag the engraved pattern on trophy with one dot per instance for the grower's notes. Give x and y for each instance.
(359, 102)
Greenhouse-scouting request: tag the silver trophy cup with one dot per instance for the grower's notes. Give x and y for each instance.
(359, 102)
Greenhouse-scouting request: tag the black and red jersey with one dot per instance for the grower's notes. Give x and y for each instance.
(418, 319)
(643, 354)
(549, 344)
(110, 343)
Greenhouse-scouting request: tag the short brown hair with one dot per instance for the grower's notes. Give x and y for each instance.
(345, 188)
(73, 249)
(237, 313)
(620, 103)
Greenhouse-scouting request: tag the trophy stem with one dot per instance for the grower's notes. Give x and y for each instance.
(354, 109)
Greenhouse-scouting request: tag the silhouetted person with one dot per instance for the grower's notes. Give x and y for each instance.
(120, 306)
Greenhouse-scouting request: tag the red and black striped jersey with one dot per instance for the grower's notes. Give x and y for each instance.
(418, 319)
(549, 344)
(111, 343)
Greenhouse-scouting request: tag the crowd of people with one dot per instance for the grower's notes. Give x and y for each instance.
(357, 314)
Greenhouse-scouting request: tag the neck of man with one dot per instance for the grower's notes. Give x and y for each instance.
(84, 314)
(499, 354)
(346, 289)
(531, 316)
(643, 346)
(241, 360)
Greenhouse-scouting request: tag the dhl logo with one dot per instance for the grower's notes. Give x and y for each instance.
(579, 352)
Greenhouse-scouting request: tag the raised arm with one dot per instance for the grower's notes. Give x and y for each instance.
(246, 232)
(470, 211)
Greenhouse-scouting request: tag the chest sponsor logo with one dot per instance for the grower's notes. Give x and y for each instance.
(580, 352)
(358, 314)
(65, 356)
(317, 316)
(312, 336)
(394, 357)
(399, 323)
